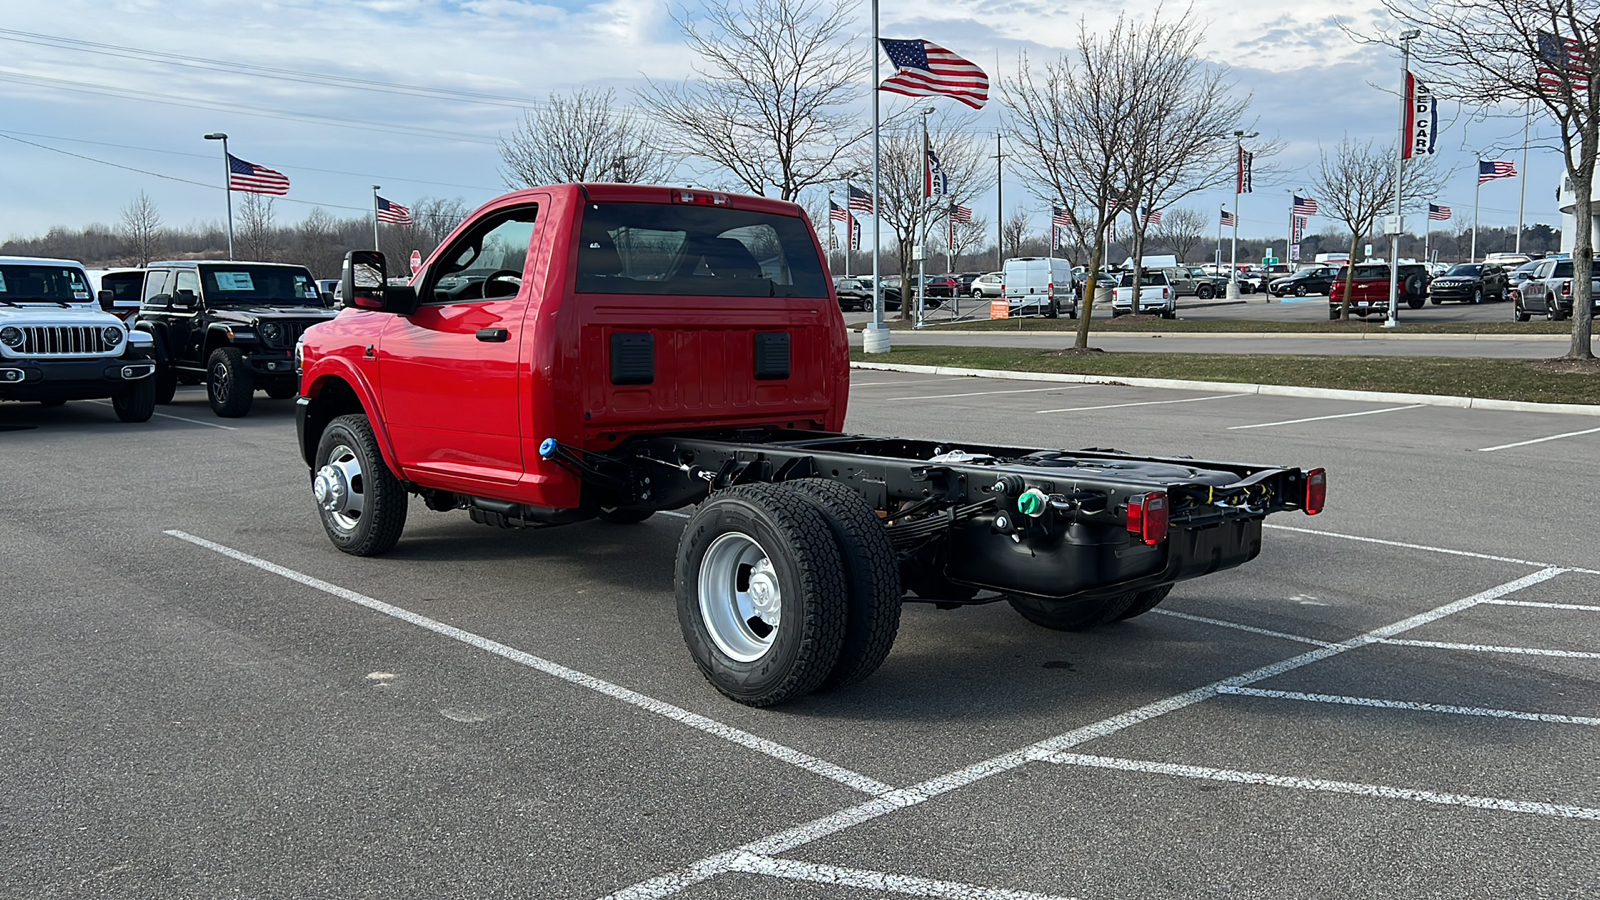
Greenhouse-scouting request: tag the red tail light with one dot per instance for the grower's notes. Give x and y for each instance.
(1050, 287)
(1566, 289)
(1147, 517)
(1316, 491)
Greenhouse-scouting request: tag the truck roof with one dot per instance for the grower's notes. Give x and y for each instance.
(656, 193)
(38, 261)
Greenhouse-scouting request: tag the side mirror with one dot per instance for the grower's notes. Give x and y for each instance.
(108, 301)
(364, 284)
(183, 299)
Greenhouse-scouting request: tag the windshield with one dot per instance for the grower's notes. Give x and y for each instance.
(23, 283)
(247, 284)
(1465, 269)
(692, 250)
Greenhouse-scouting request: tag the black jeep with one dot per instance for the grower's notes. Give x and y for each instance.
(233, 324)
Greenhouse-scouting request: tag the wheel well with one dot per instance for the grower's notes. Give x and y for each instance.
(328, 400)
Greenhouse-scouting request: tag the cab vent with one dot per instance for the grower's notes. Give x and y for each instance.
(633, 358)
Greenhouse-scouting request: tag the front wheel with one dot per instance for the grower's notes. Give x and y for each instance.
(137, 403)
(361, 504)
(1477, 296)
(229, 383)
(761, 594)
(1299, 290)
(1518, 314)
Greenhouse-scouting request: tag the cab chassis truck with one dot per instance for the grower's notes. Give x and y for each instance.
(580, 352)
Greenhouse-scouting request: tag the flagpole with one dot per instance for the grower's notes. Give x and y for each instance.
(875, 339)
(1477, 193)
(1218, 260)
(1406, 37)
(227, 184)
(830, 229)
(375, 217)
(1522, 201)
(921, 247)
(999, 187)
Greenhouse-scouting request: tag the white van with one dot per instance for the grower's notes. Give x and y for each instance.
(1038, 285)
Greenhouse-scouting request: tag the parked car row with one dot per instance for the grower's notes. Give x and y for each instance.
(1548, 291)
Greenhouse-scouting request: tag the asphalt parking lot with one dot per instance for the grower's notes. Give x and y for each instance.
(1398, 698)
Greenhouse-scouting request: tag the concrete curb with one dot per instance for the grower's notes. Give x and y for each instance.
(1227, 387)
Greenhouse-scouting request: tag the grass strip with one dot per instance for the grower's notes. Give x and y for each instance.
(1538, 381)
(1140, 324)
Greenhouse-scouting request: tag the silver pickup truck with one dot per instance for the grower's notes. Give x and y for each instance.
(1549, 291)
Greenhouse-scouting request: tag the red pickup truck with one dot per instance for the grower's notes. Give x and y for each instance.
(607, 351)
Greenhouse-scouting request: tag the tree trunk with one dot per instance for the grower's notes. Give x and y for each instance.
(1582, 268)
(1086, 308)
(1349, 283)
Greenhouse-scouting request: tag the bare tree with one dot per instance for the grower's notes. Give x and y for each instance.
(900, 203)
(141, 230)
(1495, 54)
(1080, 126)
(1013, 232)
(315, 243)
(583, 137)
(1180, 230)
(257, 237)
(773, 101)
(1355, 185)
(966, 237)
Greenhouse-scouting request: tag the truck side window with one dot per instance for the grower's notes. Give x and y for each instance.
(487, 262)
(156, 295)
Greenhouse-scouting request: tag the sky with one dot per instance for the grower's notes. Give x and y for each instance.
(103, 100)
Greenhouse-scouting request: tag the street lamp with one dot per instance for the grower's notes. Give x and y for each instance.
(1239, 137)
(227, 182)
(1406, 37)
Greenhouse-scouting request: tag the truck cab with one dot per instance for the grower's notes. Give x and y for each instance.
(59, 343)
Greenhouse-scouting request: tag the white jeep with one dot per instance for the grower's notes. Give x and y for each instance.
(58, 342)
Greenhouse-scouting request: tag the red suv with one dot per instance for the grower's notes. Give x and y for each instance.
(1369, 294)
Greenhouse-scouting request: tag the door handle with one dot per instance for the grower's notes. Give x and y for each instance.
(493, 335)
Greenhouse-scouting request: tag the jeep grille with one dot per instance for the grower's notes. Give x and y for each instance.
(61, 340)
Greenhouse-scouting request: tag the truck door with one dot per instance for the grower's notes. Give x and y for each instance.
(450, 372)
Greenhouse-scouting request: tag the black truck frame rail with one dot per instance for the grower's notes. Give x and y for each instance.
(968, 517)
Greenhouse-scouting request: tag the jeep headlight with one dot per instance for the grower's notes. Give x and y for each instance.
(112, 336)
(11, 336)
(271, 332)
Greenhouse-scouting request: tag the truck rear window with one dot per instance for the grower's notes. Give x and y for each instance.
(680, 250)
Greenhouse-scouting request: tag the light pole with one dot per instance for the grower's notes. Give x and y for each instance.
(1238, 188)
(875, 337)
(1406, 37)
(999, 203)
(227, 182)
(921, 246)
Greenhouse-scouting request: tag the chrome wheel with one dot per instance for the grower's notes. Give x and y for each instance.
(741, 601)
(339, 488)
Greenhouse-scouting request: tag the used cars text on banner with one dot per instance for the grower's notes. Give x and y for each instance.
(1422, 119)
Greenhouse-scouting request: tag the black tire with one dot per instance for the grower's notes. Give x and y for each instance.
(283, 391)
(618, 515)
(136, 403)
(229, 384)
(1552, 308)
(1072, 615)
(377, 526)
(1144, 601)
(1299, 290)
(1052, 311)
(1205, 292)
(871, 575)
(1416, 301)
(797, 656)
(1518, 314)
(166, 384)
(1477, 296)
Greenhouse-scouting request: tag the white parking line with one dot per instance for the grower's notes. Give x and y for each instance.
(948, 379)
(1488, 648)
(1571, 606)
(665, 710)
(1384, 791)
(795, 870)
(1057, 387)
(1223, 623)
(670, 883)
(1145, 403)
(1369, 412)
(1444, 550)
(1553, 437)
(1341, 700)
(183, 419)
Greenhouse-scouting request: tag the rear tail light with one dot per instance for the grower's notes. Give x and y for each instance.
(1166, 293)
(1316, 491)
(1147, 517)
(1050, 287)
(1566, 289)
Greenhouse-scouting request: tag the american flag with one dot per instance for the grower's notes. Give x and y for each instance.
(393, 213)
(1304, 206)
(1489, 171)
(1561, 62)
(1227, 218)
(860, 200)
(1152, 217)
(961, 215)
(1438, 213)
(249, 178)
(1060, 217)
(924, 69)
(837, 212)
